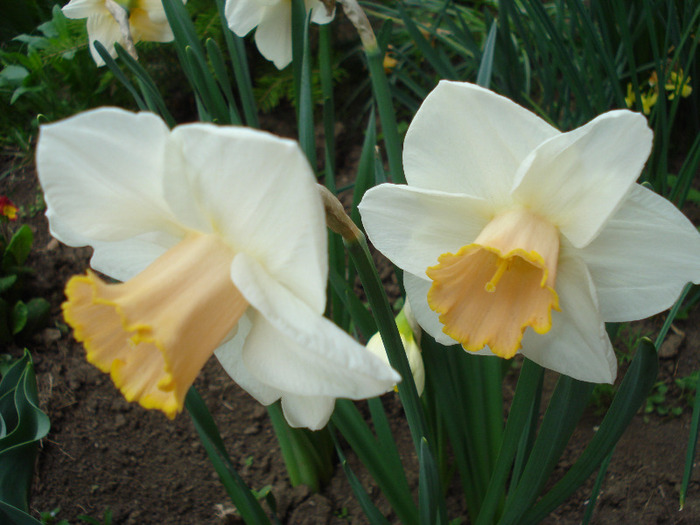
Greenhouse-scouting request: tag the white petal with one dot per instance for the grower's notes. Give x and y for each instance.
(230, 355)
(417, 293)
(413, 226)
(310, 412)
(122, 260)
(83, 8)
(577, 345)
(319, 13)
(274, 34)
(466, 139)
(294, 349)
(259, 193)
(103, 28)
(578, 179)
(150, 23)
(101, 172)
(244, 15)
(643, 257)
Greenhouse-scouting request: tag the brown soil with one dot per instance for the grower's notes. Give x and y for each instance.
(103, 453)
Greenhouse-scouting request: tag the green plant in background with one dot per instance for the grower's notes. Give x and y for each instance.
(19, 316)
(45, 75)
(22, 425)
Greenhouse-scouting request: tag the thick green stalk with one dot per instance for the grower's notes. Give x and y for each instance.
(306, 463)
(378, 301)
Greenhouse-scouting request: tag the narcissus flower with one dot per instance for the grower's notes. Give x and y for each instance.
(410, 332)
(219, 237)
(515, 237)
(273, 19)
(146, 21)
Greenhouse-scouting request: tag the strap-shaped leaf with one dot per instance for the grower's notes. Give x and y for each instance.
(633, 391)
(569, 399)
(240, 494)
(12, 515)
(24, 425)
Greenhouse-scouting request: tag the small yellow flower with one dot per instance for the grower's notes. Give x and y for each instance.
(676, 83)
(389, 62)
(649, 100)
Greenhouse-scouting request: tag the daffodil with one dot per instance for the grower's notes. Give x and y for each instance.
(409, 331)
(515, 237)
(273, 19)
(219, 237)
(146, 21)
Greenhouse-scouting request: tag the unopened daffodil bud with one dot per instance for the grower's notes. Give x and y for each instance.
(409, 330)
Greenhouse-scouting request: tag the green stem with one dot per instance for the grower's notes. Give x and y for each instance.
(359, 252)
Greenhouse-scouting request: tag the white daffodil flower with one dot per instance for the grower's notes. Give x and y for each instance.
(146, 21)
(410, 332)
(218, 234)
(507, 223)
(273, 19)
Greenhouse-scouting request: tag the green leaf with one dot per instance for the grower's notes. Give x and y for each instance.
(19, 316)
(238, 491)
(13, 75)
(19, 247)
(12, 515)
(431, 503)
(37, 312)
(25, 425)
(569, 399)
(375, 517)
(5, 335)
(350, 423)
(483, 78)
(7, 282)
(632, 392)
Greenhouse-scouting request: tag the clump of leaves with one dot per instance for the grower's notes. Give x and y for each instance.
(22, 425)
(47, 75)
(19, 316)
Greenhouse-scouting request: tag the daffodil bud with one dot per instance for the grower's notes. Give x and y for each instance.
(410, 337)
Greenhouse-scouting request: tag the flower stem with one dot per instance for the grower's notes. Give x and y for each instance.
(379, 303)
